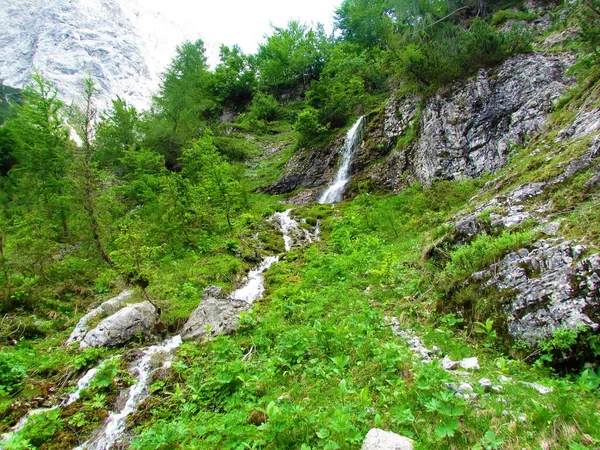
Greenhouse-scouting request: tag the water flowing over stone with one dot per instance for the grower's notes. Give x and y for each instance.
(154, 358)
(23, 421)
(82, 384)
(85, 381)
(294, 235)
(108, 307)
(254, 286)
(353, 139)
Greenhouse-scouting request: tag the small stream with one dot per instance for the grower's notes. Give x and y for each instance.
(159, 357)
(154, 358)
(254, 286)
(82, 385)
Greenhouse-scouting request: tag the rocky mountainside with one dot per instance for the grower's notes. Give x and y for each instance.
(122, 44)
(465, 130)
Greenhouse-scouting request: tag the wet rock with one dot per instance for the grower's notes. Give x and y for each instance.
(110, 306)
(217, 314)
(552, 289)
(123, 326)
(378, 439)
(308, 167)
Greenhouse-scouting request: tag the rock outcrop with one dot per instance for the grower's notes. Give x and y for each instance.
(552, 286)
(309, 167)
(217, 314)
(123, 45)
(378, 439)
(108, 307)
(465, 130)
(123, 326)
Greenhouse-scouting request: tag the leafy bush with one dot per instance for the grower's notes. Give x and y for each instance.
(264, 107)
(12, 374)
(308, 125)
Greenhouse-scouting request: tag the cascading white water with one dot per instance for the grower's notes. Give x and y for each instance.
(85, 381)
(334, 191)
(254, 286)
(293, 234)
(160, 356)
(115, 424)
(82, 384)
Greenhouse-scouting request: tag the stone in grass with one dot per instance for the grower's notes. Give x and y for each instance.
(123, 326)
(485, 383)
(378, 439)
(538, 387)
(448, 364)
(469, 363)
(466, 363)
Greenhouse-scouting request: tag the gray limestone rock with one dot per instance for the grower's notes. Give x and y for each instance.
(123, 44)
(110, 306)
(468, 128)
(217, 314)
(123, 326)
(553, 288)
(378, 439)
(465, 130)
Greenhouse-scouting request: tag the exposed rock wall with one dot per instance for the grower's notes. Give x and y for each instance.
(467, 129)
(554, 287)
(122, 44)
(464, 130)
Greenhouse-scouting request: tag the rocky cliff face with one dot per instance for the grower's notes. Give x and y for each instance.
(468, 128)
(465, 130)
(120, 43)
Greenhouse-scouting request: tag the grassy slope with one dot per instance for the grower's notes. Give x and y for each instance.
(316, 363)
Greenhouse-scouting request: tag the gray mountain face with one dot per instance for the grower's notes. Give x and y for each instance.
(115, 41)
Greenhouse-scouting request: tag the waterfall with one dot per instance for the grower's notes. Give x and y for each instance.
(334, 191)
(294, 235)
(153, 358)
(254, 286)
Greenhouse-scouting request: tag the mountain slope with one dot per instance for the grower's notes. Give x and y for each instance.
(122, 45)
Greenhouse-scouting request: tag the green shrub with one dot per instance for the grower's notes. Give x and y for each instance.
(308, 125)
(264, 107)
(480, 253)
(12, 374)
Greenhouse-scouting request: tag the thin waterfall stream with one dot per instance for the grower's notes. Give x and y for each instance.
(335, 190)
(160, 356)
